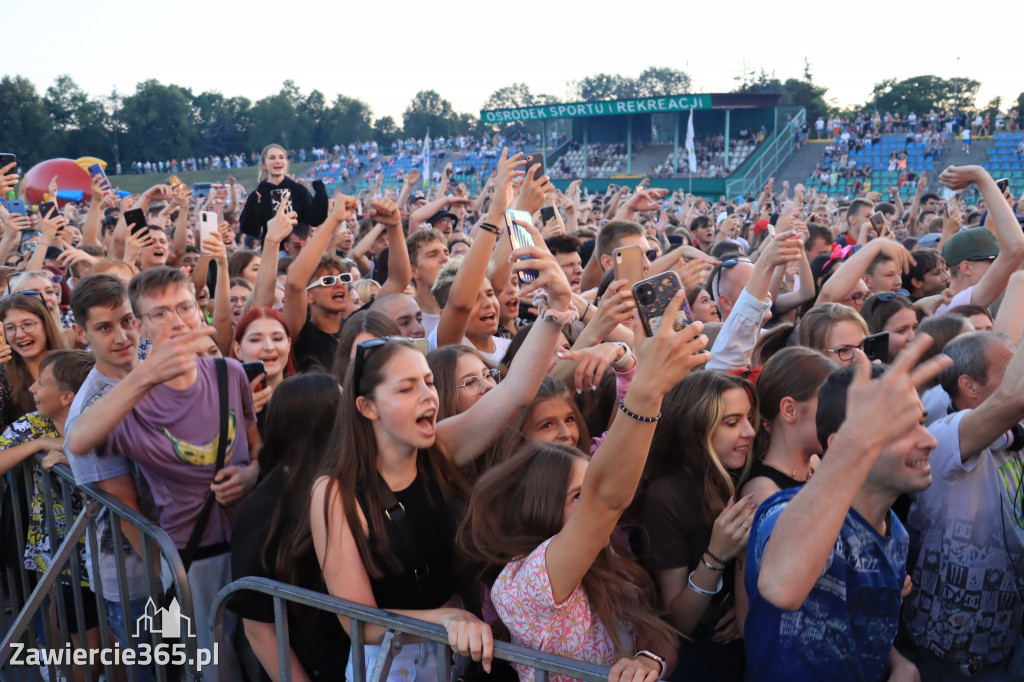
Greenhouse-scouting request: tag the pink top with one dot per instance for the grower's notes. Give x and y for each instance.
(523, 599)
(622, 382)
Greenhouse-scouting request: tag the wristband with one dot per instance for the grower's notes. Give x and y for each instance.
(715, 558)
(701, 590)
(716, 569)
(493, 229)
(633, 415)
(654, 657)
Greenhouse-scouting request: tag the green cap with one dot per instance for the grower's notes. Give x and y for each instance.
(973, 243)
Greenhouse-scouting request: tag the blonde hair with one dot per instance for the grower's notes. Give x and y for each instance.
(817, 323)
(364, 287)
(264, 173)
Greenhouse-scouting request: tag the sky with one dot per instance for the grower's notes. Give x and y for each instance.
(384, 51)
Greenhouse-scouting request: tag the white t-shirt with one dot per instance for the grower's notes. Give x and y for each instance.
(500, 346)
(965, 606)
(963, 298)
(430, 321)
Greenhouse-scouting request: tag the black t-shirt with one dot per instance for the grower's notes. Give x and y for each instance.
(316, 637)
(677, 535)
(315, 348)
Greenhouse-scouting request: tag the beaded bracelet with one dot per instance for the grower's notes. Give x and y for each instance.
(493, 229)
(633, 415)
(701, 590)
(715, 558)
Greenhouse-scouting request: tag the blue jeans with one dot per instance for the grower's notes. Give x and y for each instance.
(125, 636)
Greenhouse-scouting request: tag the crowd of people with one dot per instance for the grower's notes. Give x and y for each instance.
(426, 403)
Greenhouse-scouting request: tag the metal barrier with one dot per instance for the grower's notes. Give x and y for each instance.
(398, 628)
(767, 163)
(28, 594)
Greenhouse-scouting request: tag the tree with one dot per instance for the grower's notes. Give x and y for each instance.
(385, 131)
(347, 120)
(661, 81)
(920, 94)
(27, 130)
(220, 122)
(428, 111)
(510, 97)
(274, 118)
(805, 93)
(160, 122)
(603, 86)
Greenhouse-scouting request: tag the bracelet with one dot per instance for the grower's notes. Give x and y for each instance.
(583, 315)
(654, 657)
(715, 558)
(701, 590)
(493, 229)
(633, 415)
(627, 353)
(710, 567)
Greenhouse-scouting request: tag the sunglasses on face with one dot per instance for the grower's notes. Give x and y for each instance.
(330, 280)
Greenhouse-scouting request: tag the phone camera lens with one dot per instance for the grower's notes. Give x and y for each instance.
(645, 294)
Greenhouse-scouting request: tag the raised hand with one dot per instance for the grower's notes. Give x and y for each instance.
(509, 168)
(8, 178)
(663, 360)
(385, 212)
(592, 362)
(961, 177)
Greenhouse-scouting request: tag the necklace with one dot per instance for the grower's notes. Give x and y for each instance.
(792, 474)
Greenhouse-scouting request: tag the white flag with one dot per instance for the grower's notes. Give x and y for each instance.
(426, 161)
(690, 149)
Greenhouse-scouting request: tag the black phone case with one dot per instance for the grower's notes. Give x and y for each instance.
(665, 286)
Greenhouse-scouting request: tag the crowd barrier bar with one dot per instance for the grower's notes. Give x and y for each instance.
(768, 162)
(25, 591)
(398, 629)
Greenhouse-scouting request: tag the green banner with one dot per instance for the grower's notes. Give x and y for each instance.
(644, 105)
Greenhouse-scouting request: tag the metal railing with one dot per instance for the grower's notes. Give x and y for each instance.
(768, 162)
(399, 629)
(28, 593)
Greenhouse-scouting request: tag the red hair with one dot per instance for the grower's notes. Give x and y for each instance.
(264, 313)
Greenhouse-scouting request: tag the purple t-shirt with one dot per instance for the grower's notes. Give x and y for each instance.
(172, 436)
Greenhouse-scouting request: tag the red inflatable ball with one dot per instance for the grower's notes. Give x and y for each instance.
(69, 176)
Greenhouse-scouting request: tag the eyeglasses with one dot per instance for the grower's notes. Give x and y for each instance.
(845, 353)
(886, 298)
(476, 385)
(28, 326)
(163, 314)
(726, 265)
(652, 254)
(362, 348)
(857, 298)
(330, 280)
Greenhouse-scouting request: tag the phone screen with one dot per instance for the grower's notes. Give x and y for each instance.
(520, 237)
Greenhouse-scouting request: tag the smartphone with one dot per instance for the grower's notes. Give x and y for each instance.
(253, 370)
(547, 213)
(876, 347)
(96, 171)
(179, 186)
(29, 242)
(653, 296)
(535, 160)
(628, 263)
(16, 207)
(6, 159)
(1003, 184)
(207, 226)
(45, 208)
(877, 220)
(423, 345)
(277, 196)
(520, 237)
(136, 219)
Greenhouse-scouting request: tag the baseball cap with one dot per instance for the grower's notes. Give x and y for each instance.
(442, 214)
(930, 240)
(973, 243)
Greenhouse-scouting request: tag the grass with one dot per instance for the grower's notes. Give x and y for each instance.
(246, 177)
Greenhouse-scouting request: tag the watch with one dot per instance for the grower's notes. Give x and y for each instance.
(626, 355)
(654, 657)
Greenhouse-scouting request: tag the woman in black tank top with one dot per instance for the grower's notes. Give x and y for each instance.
(787, 390)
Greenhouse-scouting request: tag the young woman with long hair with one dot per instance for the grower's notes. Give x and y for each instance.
(693, 522)
(361, 326)
(541, 525)
(787, 442)
(262, 336)
(271, 531)
(384, 519)
(260, 205)
(30, 330)
(893, 313)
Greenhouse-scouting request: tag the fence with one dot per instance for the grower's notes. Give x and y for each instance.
(28, 594)
(768, 161)
(29, 599)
